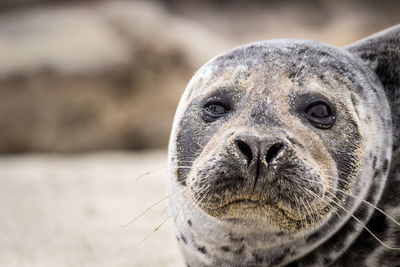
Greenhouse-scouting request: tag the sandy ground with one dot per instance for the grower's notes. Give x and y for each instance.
(70, 210)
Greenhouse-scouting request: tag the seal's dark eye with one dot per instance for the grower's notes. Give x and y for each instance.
(320, 114)
(213, 110)
(318, 111)
(216, 109)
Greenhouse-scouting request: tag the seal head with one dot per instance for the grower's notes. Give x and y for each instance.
(272, 145)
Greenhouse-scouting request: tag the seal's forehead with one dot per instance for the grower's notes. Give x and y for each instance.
(276, 58)
(283, 53)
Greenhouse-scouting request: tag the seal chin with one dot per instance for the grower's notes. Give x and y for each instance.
(273, 215)
(240, 208)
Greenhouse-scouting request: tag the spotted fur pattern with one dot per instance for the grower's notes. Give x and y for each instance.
(312, 204)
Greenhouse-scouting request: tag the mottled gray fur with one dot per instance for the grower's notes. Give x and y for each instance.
(256, 182)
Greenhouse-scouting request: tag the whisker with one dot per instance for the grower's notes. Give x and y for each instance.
(364, 226)
(149, 208)
(364, 201)
(154, 230)
(182, 206)
(324, 201)
(150, 172)
(353, 216)
(164, 168)
(197, 201)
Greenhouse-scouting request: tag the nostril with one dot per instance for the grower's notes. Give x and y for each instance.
(245, 149)
(273, 151)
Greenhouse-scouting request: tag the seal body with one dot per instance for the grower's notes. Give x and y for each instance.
(285, 152)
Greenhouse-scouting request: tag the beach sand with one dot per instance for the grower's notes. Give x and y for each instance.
(71, 210)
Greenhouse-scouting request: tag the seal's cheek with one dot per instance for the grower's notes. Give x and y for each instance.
(191, 138)
(214, 160)
(201, 131)
(316, 155)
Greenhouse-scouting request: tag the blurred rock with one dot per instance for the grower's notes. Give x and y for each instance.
(108, 76)
(90, 75)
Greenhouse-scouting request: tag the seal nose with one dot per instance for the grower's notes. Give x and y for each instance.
(252, 148)
(245, 149)
(273, 151)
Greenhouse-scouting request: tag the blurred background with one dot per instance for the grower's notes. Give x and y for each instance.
(88, 91)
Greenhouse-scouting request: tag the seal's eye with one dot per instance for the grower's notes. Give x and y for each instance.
(319, 111)
(320, 114)
(213, 110)
(216, 109)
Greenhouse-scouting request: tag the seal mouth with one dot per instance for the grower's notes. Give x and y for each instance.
(249, 199)
(253, 205)
(247, 208)
(274, 212)
(245, 202)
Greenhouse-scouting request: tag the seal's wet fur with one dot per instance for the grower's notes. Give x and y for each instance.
(259, 183)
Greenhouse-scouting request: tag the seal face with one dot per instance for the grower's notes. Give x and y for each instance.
(271, 140)
(274, 148)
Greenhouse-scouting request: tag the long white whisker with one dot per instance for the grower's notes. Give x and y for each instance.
(364, 201)
(154, 230)
(149, 208)
(363, 225)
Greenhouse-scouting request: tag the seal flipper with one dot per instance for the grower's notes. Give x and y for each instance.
(381, 52)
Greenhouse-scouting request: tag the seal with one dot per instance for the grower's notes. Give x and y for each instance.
(286, 153)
